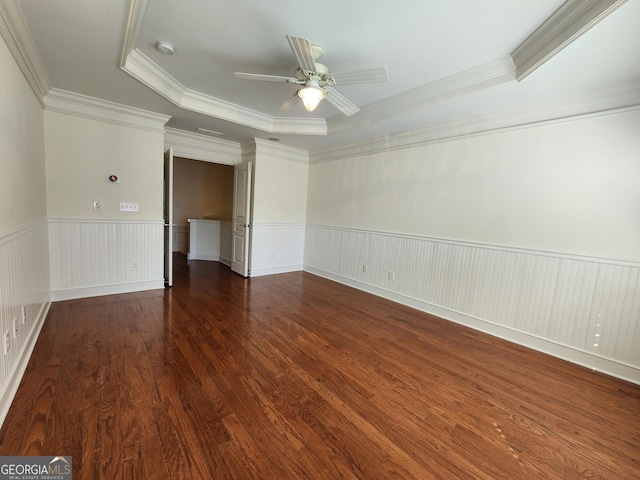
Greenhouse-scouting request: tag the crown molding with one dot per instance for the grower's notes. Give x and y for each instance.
(594, 103)
(16, 34)
(150, 74)
(214, 107)
(84, 106)
(137, 11)
(300, 126)
(462, 83)
(572, 19)
(566, 24)
(143, 69)
(140, 67)
(201, 147)
(277, 150)
(264, 148)
(248, 150)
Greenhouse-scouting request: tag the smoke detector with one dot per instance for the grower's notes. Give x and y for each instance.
(165, 47)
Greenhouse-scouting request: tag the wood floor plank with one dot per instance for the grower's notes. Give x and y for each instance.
(293, 376)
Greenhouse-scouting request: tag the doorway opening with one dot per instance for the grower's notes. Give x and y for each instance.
(202, 206)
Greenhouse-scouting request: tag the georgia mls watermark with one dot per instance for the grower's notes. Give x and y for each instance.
(35, 468)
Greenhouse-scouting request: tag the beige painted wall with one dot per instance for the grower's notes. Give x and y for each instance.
(22, 182)
(201, 189)
(80, 153)
(280, 190)
(568, 187)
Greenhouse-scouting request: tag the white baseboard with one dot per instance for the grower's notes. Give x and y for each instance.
(258, 272)
(203, 256)
(100, 290)
(210, 258)
(15, 377)
(570, 354)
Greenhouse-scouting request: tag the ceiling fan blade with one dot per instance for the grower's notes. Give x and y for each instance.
(371, 75)
(268, 78)
(291, 101)
(304, 55)
(340, 102)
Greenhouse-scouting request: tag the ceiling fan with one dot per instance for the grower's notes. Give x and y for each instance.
(317, 80)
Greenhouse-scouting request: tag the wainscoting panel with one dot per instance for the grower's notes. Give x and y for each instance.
(24, 296)
(588, 305)
(90, 258)
(615, 319)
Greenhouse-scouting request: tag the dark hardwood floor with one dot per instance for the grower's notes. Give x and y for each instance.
(294, 376)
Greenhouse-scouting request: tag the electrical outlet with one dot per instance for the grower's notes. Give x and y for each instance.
(365, 269)
(392, 275)
(6, 344)
(23, 314)
(135, 266)
(97, 207)
(14, 326)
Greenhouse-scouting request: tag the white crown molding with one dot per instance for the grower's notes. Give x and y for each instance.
(201, 147)
(300, 126)
(16, 34)
(79, 105)
(150, 74)
(248, 150)
(600, 102)
(566, 24)
(572, 19)
(140, 67)
(462, 83)
(277, 150)
(137, 11)
(215, 107)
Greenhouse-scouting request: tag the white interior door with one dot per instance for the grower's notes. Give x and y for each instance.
(168, 217)
(241, 215)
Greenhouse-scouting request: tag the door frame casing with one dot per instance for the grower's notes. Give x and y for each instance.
(168, 217)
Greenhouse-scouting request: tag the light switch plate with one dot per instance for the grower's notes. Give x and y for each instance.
(129, 207)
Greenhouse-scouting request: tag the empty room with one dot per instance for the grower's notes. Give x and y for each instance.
(332, 240)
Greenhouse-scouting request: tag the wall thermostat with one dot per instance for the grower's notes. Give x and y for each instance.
(112, 178)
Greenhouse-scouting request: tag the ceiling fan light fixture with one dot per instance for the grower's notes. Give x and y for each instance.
(311, 96)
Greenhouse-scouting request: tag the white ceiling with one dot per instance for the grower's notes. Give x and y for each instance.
(453, 56)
